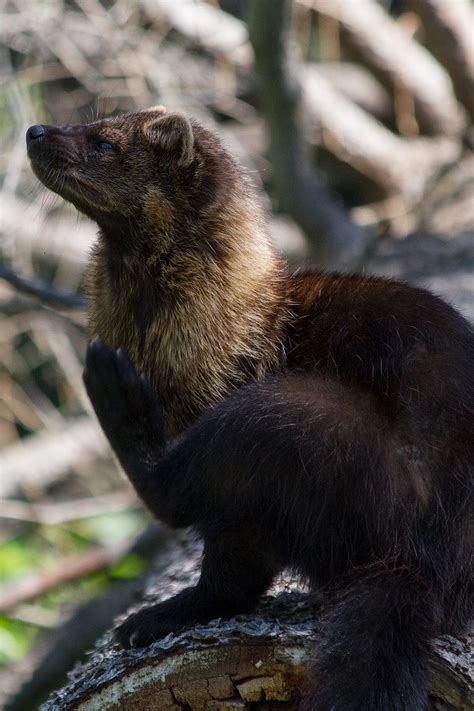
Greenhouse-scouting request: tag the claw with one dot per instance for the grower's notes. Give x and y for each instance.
(133, 639)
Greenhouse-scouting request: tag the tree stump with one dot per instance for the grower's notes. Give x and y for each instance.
(258, 661)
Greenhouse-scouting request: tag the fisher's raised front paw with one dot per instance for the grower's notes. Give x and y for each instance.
(125, 402)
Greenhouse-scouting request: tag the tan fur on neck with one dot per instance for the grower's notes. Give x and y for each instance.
(213, 312)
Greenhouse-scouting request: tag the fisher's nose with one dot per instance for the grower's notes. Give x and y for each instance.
(34, 134)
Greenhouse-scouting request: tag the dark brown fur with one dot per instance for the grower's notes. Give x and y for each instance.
(325, 421)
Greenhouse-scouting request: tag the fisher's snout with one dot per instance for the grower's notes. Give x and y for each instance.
(37, 136)
(34, 134)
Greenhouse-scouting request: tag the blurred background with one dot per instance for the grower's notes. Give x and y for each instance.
(354, 120)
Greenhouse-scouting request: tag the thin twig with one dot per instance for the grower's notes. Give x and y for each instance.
(65, 511)
(32, 586)
(47, 293)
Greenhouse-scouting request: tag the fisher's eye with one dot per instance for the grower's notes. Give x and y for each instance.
(105, 146)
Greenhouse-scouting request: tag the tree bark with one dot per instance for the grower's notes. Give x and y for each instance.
(257, 661)
(336, 242)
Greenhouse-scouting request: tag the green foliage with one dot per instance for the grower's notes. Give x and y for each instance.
(39, 548)
(16, 638)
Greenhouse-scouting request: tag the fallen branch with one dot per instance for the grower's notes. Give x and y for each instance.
(449, 37)
(398, 165)
(398, 59)
(356, 84)
(43, 458)
(204, 25)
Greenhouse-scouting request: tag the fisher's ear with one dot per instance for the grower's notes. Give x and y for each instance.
(174, 133)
